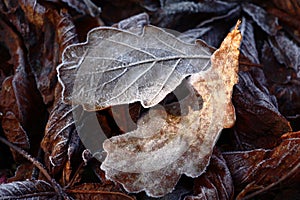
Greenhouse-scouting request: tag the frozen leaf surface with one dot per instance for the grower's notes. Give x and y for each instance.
(258, 170)
(27, 190)
(164, 146)
(118, 67)
(216, 183)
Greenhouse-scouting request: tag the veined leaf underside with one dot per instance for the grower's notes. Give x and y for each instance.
(119, 67)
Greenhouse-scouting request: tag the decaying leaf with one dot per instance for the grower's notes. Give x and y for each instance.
(164, 146)
(259, 123)
(264, 20)
(286, 51)
(59, 130)
(27, 190)
(216, 183)
(248, 46)
(118, 67)
(98, 191)
(258, 170)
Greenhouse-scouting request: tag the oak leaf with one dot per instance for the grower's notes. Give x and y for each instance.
(153, 157)
(119, 67)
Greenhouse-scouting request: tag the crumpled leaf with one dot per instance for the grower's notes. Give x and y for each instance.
(286, 51)
(19, 97)
(97, 191)
(164, 146)
(29, 189)
(174, 14)
(59, 130)
(264, 20)
(118, 67)
(248, 46)
(216, 183)
(212, 31)
(176, 7)
(82, 6)
(258, 170)
(257, 112)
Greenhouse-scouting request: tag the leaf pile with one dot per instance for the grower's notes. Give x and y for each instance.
(42, 155)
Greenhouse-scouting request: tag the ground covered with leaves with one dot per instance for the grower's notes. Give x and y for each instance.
(41, 153)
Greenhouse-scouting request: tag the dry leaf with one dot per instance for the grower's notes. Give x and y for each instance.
(118, 67)
(259, 123)
(164, 146)
(258, 170)
(264, 20)
(97, 191)
(29, 189)
(216, 183)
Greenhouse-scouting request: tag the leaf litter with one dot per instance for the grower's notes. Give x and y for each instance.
(41, 30)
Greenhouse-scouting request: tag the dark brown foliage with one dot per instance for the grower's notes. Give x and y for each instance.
(263, 161)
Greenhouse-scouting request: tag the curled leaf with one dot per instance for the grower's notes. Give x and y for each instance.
(264, 20)
(164, 146)
(216, 183)
(118, 67)
(258, 170)
(27, 190)
(257, 112)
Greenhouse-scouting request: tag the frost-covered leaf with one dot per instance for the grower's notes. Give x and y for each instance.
(258, 170)
(27, 190)
(216, 183)
(264, 20)
(286, 51)
(257, 112)
(213, 30)
(215, 6)
(118, 67)
(164, 146)
(98, 191)
(248, 46)
(59, 130)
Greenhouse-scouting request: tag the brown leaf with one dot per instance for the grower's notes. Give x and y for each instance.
(164, 146)
(29, 189)
(14, 132)
(97, 191)
(257, 171)
(286, 51)
(59, 129)
(216, 183)
(48, 32)
(289, 6)
(257, 112)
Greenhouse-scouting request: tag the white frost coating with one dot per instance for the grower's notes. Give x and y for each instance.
(118, 67)
(183, 145)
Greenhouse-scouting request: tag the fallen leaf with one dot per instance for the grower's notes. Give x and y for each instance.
(289, 6)
(286, 51)
(248, 46)
(29, 189)
(97, 191)
(58, 132)
(164, 146)
(258, 170)
(128, 68)
(212, 31)
(257, 112)
(216, 183)
(264, 20)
